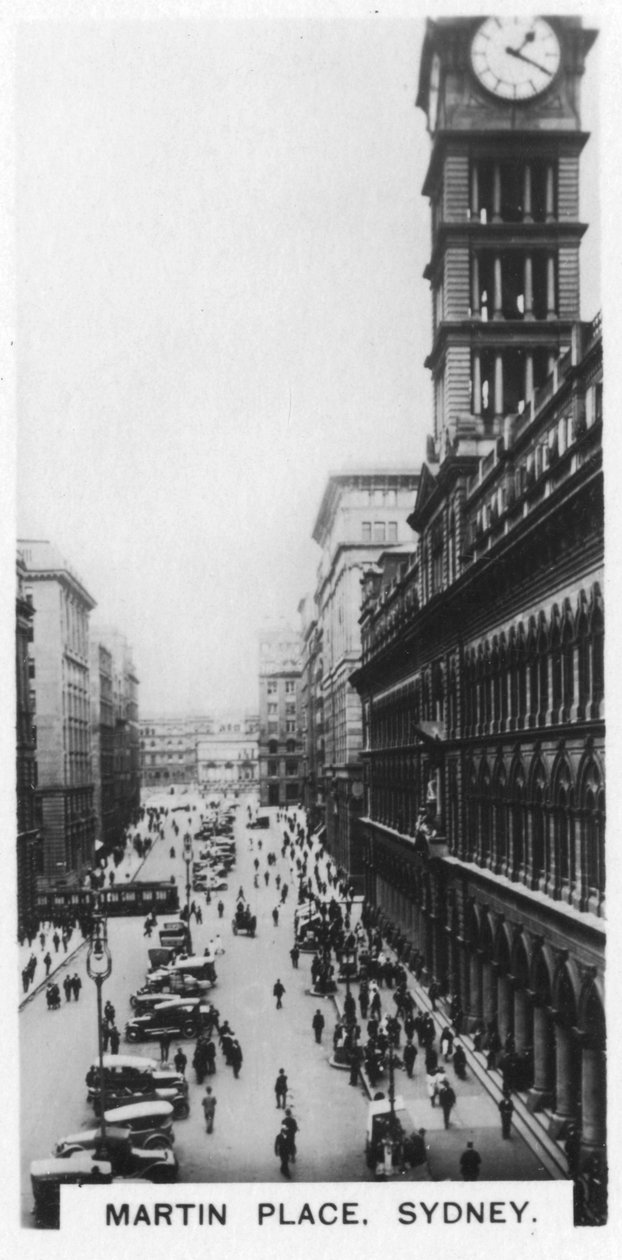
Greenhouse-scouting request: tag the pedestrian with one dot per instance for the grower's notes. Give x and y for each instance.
(282, 1149)
(275, 916)
(294, 954)
(506, 1111)
(317, 1024)
(48, 963)
(409, 1055)
(208, 1104)
(291, 1128)
(67, 986)
(56, 942)
(235, 1057)
(165, 1045)
(447, 1043)
(180, 1060)
(221, 911)
(470, 1162)
(115, 1039)
(446, 1098)
(267, 878)
(280, 1089)
(278, 992)
(76, 985)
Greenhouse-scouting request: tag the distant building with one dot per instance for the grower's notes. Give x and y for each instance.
(126, 742)
(29, 850)
(103, 745)
(362, 514)
(228, 759)
(59, 689)
(168, 748)
(280, 735)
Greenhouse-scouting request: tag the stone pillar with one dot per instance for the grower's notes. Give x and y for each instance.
(528, 377)
(565, 1081)
(541, 1092)
(496, 193)
(593, 1099)
(498, 392)
(463, 978)
(475, 287)
(551, 306)
(550, 194)
(522, 1036)
(527, 215)
(475, 988)
(497, 302)
(474, 191)
(505, 1007)
(489, 993)
(528, 282)
(477, 383)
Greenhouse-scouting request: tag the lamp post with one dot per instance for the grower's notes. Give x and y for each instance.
(99, 966)
(188, 860)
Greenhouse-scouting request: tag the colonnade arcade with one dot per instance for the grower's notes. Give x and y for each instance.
(509, 977)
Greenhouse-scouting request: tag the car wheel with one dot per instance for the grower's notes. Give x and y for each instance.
(188, 1028)
(132, 1034)
(158, 1142)
(133, 1001)
(182, 1110)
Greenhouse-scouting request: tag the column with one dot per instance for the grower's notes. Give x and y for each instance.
(474, 191)
(498, 390)
(463, 978)
(475, 287)
(593, 1098)
(489, 993)
(477, 383)
(551, 312)
(528, 377)
(521, 1020)
(528, 281)
(565, 1081)
(505, 1007)
(475, 987)
(527, 215)
(496, 193)
(550, 194)
(540, 1094)
(497, 310)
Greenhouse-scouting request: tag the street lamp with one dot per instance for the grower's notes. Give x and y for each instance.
(99, 966)
(188, 860)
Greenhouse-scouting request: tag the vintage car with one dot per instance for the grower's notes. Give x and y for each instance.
(261, 821)
(173, 934)
(183, 1018)
(129, 1078)
(48, 1175)
(127, 1160)
(150, 1125)
(244, 921)
(198, 967)
(392, 1146)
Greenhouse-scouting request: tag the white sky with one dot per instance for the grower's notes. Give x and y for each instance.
(220, 247)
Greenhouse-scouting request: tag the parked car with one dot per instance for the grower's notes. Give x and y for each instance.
(174, 934)
(182, 1019)
(262, 821)
(127, 1160)
(48, 1175)
(129, 1078)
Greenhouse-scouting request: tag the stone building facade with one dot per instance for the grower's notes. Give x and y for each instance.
(482, 676)
(29, 846)
(280, 745)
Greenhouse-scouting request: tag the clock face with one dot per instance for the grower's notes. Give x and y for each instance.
(433, 95)
(515, 58)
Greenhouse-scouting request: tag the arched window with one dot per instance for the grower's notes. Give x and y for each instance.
(499, 818)
(484, 845)
(517, 815)
(273, 747)
(557, 691)
(533, 670)
(597, 635)
(592, 822)
(561, 880)
(583, 656)
(538, 822)
(543, 669)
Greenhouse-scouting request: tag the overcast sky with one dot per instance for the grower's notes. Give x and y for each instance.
(221, 240)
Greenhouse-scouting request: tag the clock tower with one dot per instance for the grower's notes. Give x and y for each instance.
(502, 100)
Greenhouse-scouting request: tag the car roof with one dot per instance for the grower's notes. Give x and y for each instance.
(93, 1135)
(132, 1110)
(127, 1060)
(81, 1162)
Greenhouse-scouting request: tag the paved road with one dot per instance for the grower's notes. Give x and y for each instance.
(57, 1047)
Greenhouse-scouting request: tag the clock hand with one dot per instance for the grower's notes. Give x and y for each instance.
(514, 52)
